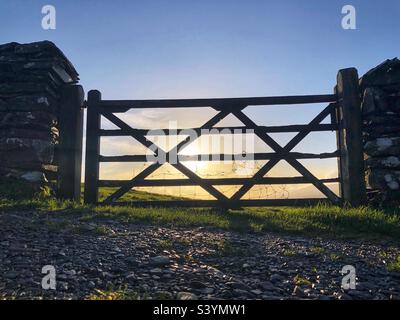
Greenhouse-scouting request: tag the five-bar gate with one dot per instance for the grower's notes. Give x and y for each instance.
(343, 107)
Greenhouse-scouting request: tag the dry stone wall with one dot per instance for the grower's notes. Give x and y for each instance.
(381, 125)
(31, 80)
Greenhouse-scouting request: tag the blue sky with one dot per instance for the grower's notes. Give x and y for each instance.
(196, 49)
(160, 49)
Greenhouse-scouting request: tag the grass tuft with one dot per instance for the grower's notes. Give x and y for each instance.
(289, 253)
(121, 294)
(317, 250)
(300, 281)
(394, 266)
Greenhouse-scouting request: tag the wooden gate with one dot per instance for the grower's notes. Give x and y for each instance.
(343, 108)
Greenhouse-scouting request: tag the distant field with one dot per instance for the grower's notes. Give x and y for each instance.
(135, 195)
(315, 221)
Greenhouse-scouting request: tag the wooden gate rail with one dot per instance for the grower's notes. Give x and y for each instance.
(216, 103)
(343, 108)
(232, 204)
(221, 157)
(215, 181)
(268, 129)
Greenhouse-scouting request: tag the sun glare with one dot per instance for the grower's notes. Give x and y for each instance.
(196, 166)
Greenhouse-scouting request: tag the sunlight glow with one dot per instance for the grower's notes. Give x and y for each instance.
(196, 166)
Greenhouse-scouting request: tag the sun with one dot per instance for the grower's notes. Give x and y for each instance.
(196, 166)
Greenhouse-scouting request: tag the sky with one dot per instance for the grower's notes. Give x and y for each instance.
(204, 49)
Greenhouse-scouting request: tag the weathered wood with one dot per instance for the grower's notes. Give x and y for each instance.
(202, 183)
(284, 151)
(131, 183)
(92, 147)
(306, 131)
(218, 130)
(215, 203)
(215, 182)
(302, 170)
(351, 148)
(339, 145)
(147, 143)
(222, 157)
(217, 103)
(70, 144)
(225, 107)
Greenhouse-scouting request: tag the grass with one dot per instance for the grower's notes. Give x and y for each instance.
(225, 248)
(317, 250)
(289, 253)
(104, 192)
(300, 281)
(335, 256)
(125, 294)
(120, 294)
(316, 221)
(166, 244)
(394, 266)
(108, 295)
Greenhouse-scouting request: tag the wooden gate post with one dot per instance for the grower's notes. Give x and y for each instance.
(92, 147)
(70, 143)
(351, 168)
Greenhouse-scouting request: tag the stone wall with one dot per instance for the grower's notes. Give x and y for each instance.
(31, 80)
(381, 120)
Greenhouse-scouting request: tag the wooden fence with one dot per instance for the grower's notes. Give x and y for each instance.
(343, 108)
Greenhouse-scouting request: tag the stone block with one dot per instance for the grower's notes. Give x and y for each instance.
(386, 75)
(384, 179)
(390, 162)
(386, 146)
